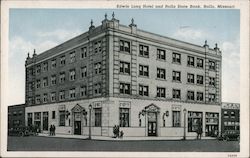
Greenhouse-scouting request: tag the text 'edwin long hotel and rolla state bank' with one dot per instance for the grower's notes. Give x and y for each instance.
(148, 84)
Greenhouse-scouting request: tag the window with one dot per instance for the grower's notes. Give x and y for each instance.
(143, 90)
(72, 75)
(161, 73)
(161, 54)
(176, 94)
(199, 63)
(62, 118)
(38, 99)
(144, 50)
(176, 58)
(98, 68)
(45, 66)
(177, 76)
(38, 69)
(62, 95)
(211, 97)
(194, 121)
(98, 46)
(98, 88)
(30, 86)
(190, 95)
(211, 81)
(124, 67)
(176, 119)
(53, 96)
(53, 114)
(83, 90)
(211, 65)
(190, 78)
(83, 52)
(53, 63)
(63, 60)
(84, 72)
(190, 61)
(45, 121)
(53, 80)
(199, 96)
(45, 81)
(161, 92)
(72, 93)
(45, 97)
(232, 114)
(72, 57)
(62, 77)
(225, 113)
(98, 117)
(143, 70)
(124, 117)
(199, 79)
(124, 46)
(124, 88)
(30, 119)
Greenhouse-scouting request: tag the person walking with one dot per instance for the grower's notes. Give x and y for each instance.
(50, 130)
(53, 129)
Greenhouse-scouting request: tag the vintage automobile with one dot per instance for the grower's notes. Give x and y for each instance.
(20, 131)
(229, 135)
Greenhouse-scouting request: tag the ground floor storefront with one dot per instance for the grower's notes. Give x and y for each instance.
(134, 117)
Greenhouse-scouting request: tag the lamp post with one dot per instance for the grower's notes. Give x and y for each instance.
(184, 111)
(90, 108)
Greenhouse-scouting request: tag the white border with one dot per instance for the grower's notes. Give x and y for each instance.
(243, 5)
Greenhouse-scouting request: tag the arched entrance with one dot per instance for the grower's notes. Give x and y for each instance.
(78, 113)
(152, 113)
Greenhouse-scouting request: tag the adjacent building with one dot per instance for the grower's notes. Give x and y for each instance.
(230, 117)
(148, 84)
(16, 116)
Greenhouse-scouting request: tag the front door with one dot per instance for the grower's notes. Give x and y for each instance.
(77, 127)
(152, 124)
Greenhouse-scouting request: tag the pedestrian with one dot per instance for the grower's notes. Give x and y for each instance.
(54, 129)
(199, 130)
(50, 130)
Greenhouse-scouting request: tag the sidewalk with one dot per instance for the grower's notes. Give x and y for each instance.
(119, 139)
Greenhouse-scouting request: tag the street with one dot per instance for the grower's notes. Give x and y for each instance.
(35, 143)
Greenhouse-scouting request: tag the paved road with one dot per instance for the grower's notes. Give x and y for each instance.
(34, 143)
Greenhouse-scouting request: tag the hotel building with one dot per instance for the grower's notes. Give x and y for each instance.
(148, 84)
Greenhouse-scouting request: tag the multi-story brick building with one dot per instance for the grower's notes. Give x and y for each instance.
(16, 116)
(138, 80)
(230, 117)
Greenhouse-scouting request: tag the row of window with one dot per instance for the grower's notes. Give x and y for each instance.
(71, 92)
(62, 61)
(161, 55)
(227, 114)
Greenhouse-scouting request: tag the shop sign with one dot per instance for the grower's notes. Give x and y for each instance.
(176, 107)
(97, 104)
(124, 105)
(61, 108)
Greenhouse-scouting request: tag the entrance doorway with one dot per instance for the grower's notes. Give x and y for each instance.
(212, 130)
(77, 129)
(152, 124)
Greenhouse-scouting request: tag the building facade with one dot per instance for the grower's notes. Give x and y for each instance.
(141, 81)
(230, 117)
(16, 116)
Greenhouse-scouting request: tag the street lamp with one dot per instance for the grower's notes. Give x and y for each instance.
(184, 111)
(90, 108)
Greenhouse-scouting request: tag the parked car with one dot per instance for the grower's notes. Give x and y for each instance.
(20, 131)
(229, 135)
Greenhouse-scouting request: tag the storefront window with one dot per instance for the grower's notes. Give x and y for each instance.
(98, 117)
(62, 118)
(194, 121)
(124, 117)
(176, 118)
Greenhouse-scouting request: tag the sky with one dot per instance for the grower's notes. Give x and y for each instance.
(42, 29)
